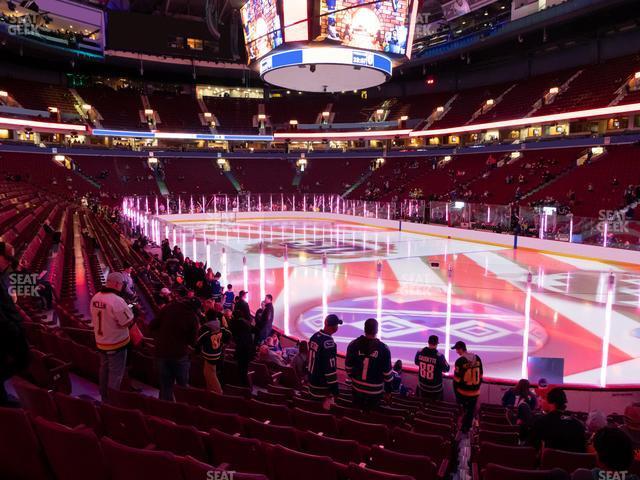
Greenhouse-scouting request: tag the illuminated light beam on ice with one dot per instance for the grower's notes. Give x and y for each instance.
(526, 330)
(607, 331)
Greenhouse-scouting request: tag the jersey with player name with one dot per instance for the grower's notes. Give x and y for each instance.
(467, 376)
(321, 365)
(431, 365)
(368, 365)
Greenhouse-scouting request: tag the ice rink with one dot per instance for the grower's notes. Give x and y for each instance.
(506, 305)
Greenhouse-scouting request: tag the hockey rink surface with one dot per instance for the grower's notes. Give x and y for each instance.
(419, 285)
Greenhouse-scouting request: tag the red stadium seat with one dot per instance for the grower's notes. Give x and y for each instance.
(503, 438)
(339, 449)
(128, 463)
(230, 423)
(237, 391)
(290, 464)
(125, 426)
(178, 439)
(315, 422)
(357, 472)
(193, 469)
(130, 400)
(243, 454)
(73, 454)
(568, 461)
(506, 455)
(36, 400)
(497, 472)
(433, 446)
(365, 433)
(275, 434)
(75, 412)
(431, 428)
(418, 466)
(278, 414)
(20, 455)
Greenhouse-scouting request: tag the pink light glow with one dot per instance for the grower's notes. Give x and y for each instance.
(593, 112)
(17, 122)
(342, 135)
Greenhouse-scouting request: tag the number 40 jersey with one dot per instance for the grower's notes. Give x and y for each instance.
(467, 377)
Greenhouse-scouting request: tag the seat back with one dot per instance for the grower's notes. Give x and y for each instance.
(20, 453)
(568, 461)
(126, 462)
(507, 455)
(243, 454)
(230, 423)
(431, 428)
(130, 400)
(289, 464)
(59, 440)
(228, 403)
(356, 472)
(420, 467)
(315, 422)
(503, 438)
(125, 426)
(36, 400)
(274, 434)
(178, 412)
(498, 472)
(433, 446)
(365, 433)
(339, 449)
(178, 439)
(75, 411)
(278, 414)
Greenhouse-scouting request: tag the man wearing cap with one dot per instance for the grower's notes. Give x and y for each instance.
(431, 365)
(14, 349)
(467, 379)
(321, 364)
(368, 364)
(175, 330)
(112, 318)
(211, 341)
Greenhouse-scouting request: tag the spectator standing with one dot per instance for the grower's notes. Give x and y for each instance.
(241, 326)
(112, 318)
(211, 342)
(321, 366)
(368, 365)
(228, 297)
(175, 330)
(467, 380)
(127, 289)
(14, 349)
(264, 324)
(431, 365)
(556, 429)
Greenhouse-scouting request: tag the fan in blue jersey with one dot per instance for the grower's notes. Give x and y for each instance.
(431, 365)
(368, 366)
(321, 364)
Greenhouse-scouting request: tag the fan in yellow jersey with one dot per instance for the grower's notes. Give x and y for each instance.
(467, 379)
